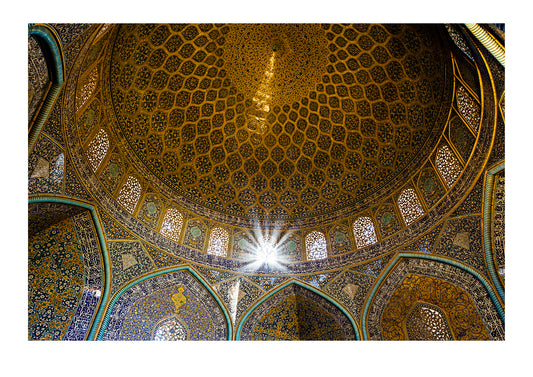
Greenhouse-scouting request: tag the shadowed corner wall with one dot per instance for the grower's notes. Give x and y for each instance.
(67, 269)
(296, 311)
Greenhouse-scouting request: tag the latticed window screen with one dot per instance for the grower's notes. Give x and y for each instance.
(447, 165)
(130, 193)
(170, 330)
(410, 206)
(97, 149)
(427, 322)
(469, 108)
(315, 245)
(87, 89)
(218, 242)
(364, 233)
(172, 223)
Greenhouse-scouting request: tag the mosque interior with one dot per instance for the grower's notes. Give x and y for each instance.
(266, 182)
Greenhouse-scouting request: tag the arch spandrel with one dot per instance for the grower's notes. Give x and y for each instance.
(458, 290)
(280, 165)
(139, 308)
(463, 319)
(295, 311)
(336, 143)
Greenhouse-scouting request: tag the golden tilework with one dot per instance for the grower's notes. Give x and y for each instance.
(429, 185)
(275, 63)
(461, 136)
(498, 223)
(461, 314)
(340, 240)
(297, 318)
(202, 145)
(150, 209)
(296, 313)
(263, 120)
(174, 305)
(139, 323)
(55, 280)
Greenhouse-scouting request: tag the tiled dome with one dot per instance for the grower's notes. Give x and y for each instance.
(278, 122)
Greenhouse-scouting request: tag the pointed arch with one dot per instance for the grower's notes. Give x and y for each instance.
(451, 272)
(325, 303)
(170, 328)
(178, 291)
(96, 260)
(51, 46)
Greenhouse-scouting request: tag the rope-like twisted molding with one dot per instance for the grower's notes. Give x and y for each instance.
(490, 43)
(57, 65)
(487, 228)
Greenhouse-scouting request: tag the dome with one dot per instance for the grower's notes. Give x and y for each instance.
(272, 132)
(232, 175)
(250, 123)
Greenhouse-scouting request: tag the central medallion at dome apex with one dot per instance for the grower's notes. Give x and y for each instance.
(279, 121)
(275, 64)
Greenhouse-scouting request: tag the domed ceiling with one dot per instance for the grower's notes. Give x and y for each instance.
(279, 122)
(268, 182)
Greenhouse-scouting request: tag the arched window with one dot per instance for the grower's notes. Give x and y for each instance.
(218, 242)
(172, 223)
(97, 149)
(427, 322)
(170, 329)
(363, 231)
(447, 165)
(410, 206)
(130, 193)
(315, 245)
(469, 108)
(87, 89)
